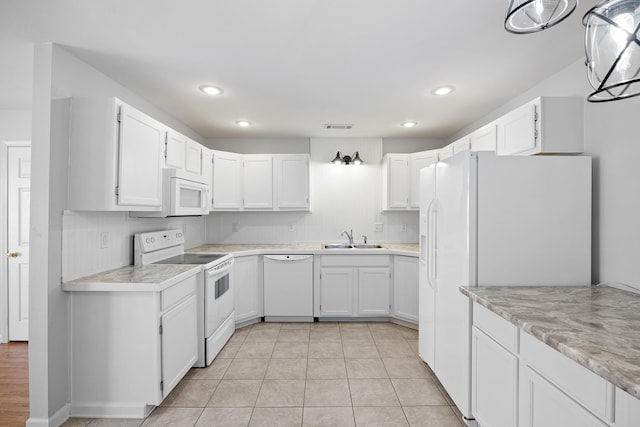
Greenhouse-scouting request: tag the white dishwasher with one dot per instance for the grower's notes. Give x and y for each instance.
(288, 288)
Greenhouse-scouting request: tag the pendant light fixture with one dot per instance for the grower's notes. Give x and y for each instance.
(530, 16)
(347, 160)
(612, 49)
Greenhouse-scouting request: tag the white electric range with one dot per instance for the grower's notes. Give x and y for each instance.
(216, 317)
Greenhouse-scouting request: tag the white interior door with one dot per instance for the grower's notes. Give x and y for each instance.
(18, 201)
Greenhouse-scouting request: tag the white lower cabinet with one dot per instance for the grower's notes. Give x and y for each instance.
(373, 291)
(495, 382)
(130, 349)
(542, 404)
(405, 288)
(247, 280)
(336, 292)
(517, 380)
(352, 286)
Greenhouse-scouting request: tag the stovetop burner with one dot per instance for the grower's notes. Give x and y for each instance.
(190, 258)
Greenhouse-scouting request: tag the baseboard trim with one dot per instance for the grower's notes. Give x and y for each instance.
(111, 410)
(55, 420)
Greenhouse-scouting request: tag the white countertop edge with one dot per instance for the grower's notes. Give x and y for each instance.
(279, 251)
(98, 286)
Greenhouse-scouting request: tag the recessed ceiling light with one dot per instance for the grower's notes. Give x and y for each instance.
(443, 90)
(211, 90)
(409, 124)
(243, 123)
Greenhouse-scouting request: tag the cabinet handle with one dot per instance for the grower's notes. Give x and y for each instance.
(12, 254)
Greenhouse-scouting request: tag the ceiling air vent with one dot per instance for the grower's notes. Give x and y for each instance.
(337, 126)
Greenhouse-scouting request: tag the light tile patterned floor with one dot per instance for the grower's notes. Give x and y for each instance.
(301, 374)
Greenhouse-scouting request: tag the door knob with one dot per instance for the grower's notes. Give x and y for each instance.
(12, 254)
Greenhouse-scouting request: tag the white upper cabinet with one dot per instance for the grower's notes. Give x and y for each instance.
(460, 145)
(445, 152)
(258, 181)
(227, 180)
(183, 153)
(401, 179)
(175, 150)
(115, 157)
(484, 139)
(193, 157)
(292, 181)
(546, 125)
(268, 181)
(395, 181)
(207, 172)
(418, 161)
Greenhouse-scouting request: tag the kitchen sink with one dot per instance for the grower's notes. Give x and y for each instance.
(337, 246)
(349, 246)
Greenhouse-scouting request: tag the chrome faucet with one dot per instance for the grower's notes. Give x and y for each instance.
(349, 236)
(365, 239)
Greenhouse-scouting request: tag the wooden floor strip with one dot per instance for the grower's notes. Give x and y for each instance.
(14, 384)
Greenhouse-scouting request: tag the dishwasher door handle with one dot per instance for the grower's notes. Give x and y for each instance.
(288, 258)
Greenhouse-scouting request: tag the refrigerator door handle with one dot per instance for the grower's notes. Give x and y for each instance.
(431, 247)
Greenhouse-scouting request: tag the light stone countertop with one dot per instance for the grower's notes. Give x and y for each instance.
(134, 278)
(153, 277)
(408, 249)
(596, 326)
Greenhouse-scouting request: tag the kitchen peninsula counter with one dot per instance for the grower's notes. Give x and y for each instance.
(134, 278)
(596, 326)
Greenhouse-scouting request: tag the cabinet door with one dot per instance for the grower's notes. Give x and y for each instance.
(176, 148)
(483, 139)
(248, 295)
(461, 145)
(494, 382)
(544, 405)
(405, 288)
(373, 291)
(227, 180)
(193, 157)
(207, 173)
(417, 162)
(258, 182)
(140, 159)
(397, 181)
(517, 130)
(292, 181)
(336, 292)
(179, 342)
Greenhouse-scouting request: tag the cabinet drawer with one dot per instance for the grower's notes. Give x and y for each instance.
(496, 327)
(348, 260)
(584, 386)
(177, 292)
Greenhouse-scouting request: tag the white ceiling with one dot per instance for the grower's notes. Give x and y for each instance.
(290, 66)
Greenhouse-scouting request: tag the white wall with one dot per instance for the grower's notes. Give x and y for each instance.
(341, 197)
(612, 138)
(260, 145)
(64, 245)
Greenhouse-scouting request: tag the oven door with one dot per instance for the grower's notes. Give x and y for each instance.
(219, 301)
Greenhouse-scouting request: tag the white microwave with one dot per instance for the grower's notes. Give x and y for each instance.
(183, 194)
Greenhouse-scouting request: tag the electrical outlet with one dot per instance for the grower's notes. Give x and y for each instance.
(104, 240)
(234, 227)
(377, 227)
(292, 227)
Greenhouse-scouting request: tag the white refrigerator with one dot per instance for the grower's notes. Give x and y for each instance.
(494, 220)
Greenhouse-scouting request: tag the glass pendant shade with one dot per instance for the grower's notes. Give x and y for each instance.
(338, 159)
(530, 16)
(613, 50)
(356, 159)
